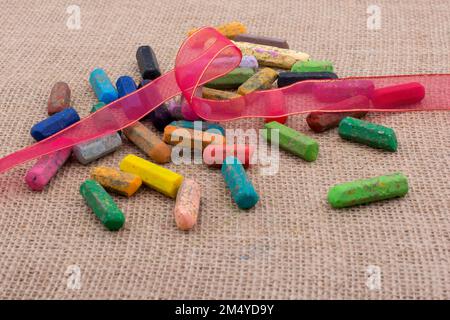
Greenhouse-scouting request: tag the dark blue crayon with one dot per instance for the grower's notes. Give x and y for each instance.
(147, 63)
(160, 117)
(54, 124)
(287, 78)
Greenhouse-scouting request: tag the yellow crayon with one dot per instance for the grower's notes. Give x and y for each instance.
(272, 56)
(156, 177)
(214, 94)
(229, 30)
(261, 80)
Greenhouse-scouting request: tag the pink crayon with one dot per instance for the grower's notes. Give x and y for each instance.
(335, 91)
(46, 168)
(277, 106)
(187, 205)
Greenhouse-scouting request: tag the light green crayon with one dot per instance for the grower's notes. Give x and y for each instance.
(312, 66)
(369, 190)
(293, 141)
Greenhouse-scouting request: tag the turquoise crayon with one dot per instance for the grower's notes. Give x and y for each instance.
(242, 190)
(102, 86)
(196, 125)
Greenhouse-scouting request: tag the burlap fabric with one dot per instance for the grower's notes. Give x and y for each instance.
(292, 245)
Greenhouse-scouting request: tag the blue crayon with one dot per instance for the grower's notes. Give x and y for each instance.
(242, 190)
(102, 86)
(54, 124)
(125, 85)
(202, 125)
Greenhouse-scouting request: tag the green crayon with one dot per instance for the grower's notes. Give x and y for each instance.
(312, 66)
(231, 80)
(369, 190)
(293, 141)
(97, 106)
(370, 134)
(102, 204)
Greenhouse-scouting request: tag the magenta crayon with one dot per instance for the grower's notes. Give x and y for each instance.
(46, 168)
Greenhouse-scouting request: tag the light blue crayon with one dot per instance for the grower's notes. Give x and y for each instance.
(102, 86)
(242, 190)
(199, 125)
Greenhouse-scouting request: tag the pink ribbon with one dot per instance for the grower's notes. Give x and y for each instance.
(205, 56)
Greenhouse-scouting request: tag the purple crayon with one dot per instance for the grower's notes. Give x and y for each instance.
(249, 62)
(187, 111)
(174, 107)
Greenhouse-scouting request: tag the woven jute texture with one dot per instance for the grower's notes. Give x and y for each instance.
(292, 245)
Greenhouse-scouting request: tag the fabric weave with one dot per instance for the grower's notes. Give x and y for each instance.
(292, 245)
